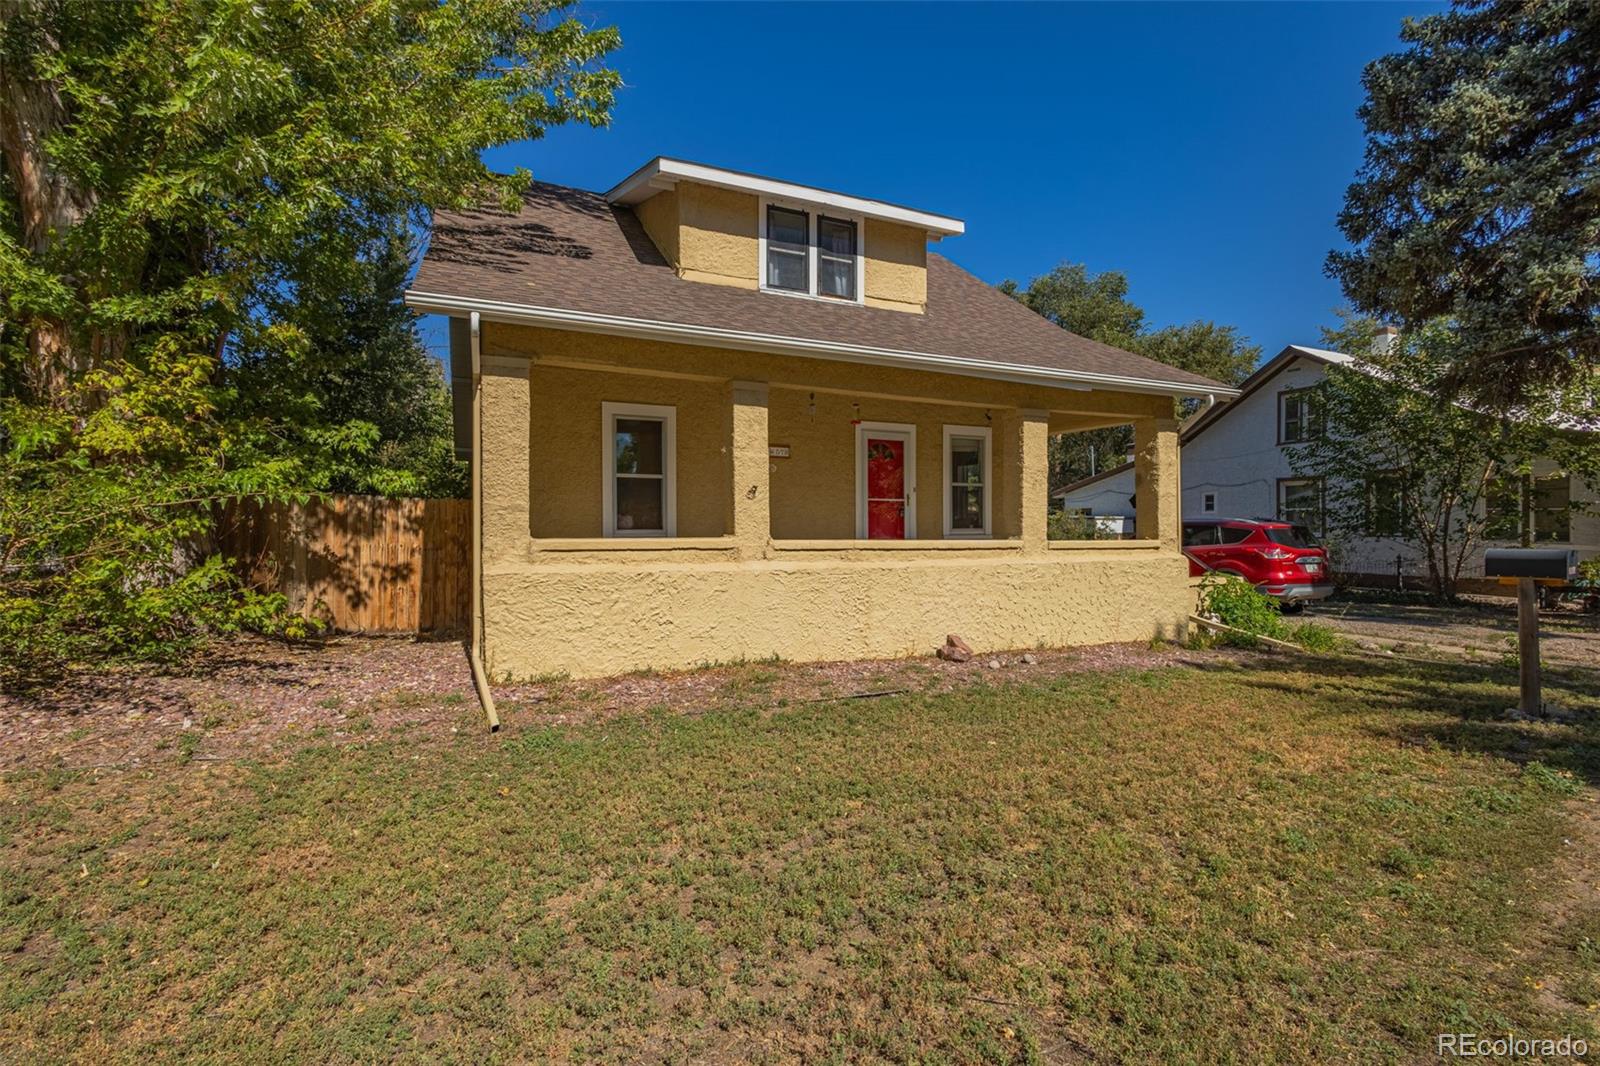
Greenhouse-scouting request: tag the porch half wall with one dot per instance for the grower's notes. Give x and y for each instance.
(764, 562)
(593, 620)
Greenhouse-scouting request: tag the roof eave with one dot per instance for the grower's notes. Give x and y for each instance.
(804, 347)
(664, 173)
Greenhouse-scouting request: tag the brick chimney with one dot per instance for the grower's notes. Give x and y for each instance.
(1385, 338)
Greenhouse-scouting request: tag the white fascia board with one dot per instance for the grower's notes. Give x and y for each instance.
(662, 173)
(804, 347)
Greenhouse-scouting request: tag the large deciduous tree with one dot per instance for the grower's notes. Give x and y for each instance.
(1097, 306)
(1478, 205)
(186, 188)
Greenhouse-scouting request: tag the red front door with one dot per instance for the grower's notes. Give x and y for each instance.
(886, 488)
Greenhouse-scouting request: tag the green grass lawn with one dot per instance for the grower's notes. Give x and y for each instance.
(1229, 864)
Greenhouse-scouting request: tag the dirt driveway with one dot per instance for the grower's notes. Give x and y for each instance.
(1479, 627)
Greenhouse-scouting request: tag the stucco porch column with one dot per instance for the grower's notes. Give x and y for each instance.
(1156, 473)
(1022, 455)
(750, 517)
(507, 427)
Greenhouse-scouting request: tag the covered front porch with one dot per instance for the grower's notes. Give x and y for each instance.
(650, 505)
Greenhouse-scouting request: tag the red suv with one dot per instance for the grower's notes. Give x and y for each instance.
(1276, 557)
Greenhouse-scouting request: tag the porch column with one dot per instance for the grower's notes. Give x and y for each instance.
(503, 458)
(750, 521)
(1155, 477)
(1023, 453)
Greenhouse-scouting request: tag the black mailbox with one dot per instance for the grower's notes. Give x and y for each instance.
(1551, 564)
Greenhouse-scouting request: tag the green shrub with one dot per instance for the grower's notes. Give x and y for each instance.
(1235, 602)
(1068, 525)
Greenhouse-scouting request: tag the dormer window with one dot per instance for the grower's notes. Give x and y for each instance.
(836, 258)
(788, 249)
(810, 254)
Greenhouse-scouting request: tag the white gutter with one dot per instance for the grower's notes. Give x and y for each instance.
(775, 344)
(475, 639)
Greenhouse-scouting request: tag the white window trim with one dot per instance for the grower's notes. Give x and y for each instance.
(1284, 485)
(987, 436)
(609, 412)
(1208, 503)
(864, 428)
(813, 211)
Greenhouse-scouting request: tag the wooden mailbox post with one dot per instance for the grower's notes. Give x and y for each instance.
(1530, 567)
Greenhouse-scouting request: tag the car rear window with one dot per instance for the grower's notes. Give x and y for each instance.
(1290, 536)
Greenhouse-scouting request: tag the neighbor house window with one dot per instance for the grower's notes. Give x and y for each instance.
(1298, 417)
(1552, 508)
(640, 488)
(1386, 506)
(1208, 503)
(966, 475)
(1503, 510)
(811, 254)
(1300, 502)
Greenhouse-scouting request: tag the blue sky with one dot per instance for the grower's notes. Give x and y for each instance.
(1202, 149)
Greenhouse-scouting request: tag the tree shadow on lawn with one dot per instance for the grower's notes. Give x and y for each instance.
(1459, 706)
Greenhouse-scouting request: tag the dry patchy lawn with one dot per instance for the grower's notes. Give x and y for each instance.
(1208, 858)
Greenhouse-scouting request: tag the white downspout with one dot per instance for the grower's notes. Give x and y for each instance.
(475, 639)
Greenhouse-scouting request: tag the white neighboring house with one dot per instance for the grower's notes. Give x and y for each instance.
(1235, 463)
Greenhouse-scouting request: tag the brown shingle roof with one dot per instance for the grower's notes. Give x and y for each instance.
(572, 250)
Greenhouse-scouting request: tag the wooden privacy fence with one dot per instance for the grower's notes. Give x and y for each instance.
(360, 563)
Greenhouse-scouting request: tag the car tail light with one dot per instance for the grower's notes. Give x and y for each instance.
(1275, 554)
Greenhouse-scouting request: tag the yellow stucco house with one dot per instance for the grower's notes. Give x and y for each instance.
(714, 416)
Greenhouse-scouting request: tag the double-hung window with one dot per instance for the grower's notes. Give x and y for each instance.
(966, 475)
(1551, 505)
(640, 488)
(788, 249)
(1300, 502)
(811, 254)
(1298, 417)
(836, 258)
(1552, 509)
(1386, 506)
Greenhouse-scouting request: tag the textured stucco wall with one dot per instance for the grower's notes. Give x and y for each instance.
(659, 216)
(733, 584)
(814, 490)
(565, 449)
(550, 347)
(712, 235)
(589, 620)
(717, 235)
(897, 266)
